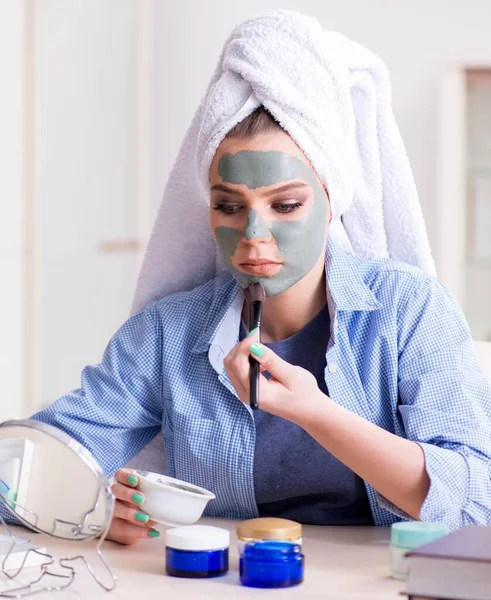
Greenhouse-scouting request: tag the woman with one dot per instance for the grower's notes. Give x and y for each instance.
(373, 406)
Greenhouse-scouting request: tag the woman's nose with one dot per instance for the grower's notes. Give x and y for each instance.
(256, 229)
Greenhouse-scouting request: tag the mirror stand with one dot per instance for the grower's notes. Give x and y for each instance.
(35, 586)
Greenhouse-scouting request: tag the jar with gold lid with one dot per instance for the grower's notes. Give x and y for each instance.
(268, 528)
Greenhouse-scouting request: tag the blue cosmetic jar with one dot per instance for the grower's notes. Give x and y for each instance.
(271, 564)
(196, 551)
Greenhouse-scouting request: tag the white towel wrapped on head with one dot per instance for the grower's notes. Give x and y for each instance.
(334, 99)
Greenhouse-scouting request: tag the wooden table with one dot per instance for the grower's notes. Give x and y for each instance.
(341, 563)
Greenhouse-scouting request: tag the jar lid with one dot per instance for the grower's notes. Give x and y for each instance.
(416, 533)
(197, 537)
(269, 528)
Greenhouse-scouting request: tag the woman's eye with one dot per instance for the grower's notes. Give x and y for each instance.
(228, 209)
(286, 207)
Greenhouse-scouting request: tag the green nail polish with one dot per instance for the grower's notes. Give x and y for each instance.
(257, 350)
(154, 533)
(251, 333)
(132, 479)
(138, 498)
(142, 517)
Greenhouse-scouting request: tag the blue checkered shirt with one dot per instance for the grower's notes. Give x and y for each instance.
(400, 355)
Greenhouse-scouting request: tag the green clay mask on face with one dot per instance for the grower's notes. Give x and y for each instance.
(300, 242)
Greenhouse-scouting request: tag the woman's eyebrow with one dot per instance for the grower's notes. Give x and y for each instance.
(294, 185)
(218, 187)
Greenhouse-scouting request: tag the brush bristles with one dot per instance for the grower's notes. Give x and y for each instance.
(254, 292)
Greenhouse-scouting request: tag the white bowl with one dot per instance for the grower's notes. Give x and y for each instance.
(170, 501)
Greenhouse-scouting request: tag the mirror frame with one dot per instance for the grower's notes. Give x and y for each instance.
(87, 458)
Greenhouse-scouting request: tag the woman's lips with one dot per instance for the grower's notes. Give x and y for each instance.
(261, 267)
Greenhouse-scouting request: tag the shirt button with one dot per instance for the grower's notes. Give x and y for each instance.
(333, 367)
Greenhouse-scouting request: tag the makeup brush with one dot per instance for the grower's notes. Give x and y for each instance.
(255, 296)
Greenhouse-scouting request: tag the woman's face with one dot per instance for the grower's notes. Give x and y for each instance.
(268, 211)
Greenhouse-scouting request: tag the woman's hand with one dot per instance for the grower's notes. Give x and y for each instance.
(130, 522)
(292, 392)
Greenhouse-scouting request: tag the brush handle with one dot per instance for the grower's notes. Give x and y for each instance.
(255, 310)
(253, 383)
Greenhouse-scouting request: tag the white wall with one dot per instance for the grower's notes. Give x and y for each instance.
(13, 64)
(76, 185)
(416, 39)
(86, 89)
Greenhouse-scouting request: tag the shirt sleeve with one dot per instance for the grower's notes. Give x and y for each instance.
(445, 406)
(118, 408)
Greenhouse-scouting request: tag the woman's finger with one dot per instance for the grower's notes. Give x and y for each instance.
(235, 380)
(242, 391)
(129, 513)
(127, 477)
(237, 366)
(127, 494)
(123, 532)
(282, 371)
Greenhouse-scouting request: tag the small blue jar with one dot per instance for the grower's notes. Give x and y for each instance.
(196, 551)
(271, 564)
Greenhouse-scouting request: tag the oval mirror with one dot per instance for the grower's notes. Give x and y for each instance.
(52, 484)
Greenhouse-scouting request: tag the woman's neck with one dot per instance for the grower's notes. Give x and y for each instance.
(289, 312)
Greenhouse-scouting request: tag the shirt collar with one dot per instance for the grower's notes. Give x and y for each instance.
(345, 281)
(346, 291)
(221, 324)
